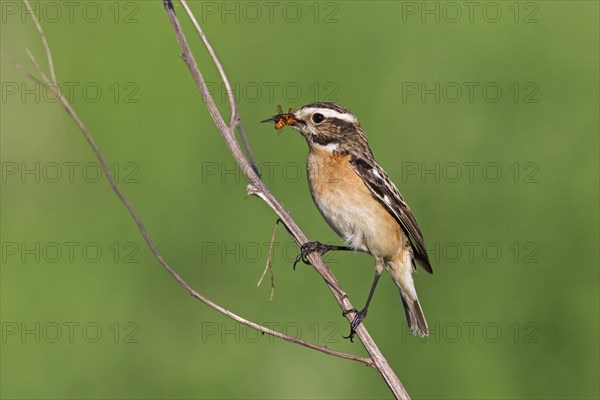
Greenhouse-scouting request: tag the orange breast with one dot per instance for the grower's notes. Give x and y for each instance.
(347, 205)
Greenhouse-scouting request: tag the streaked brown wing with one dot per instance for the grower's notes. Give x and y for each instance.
(384, 190)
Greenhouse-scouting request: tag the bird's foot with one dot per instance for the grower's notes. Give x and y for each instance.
(312, 247)
(358, 319)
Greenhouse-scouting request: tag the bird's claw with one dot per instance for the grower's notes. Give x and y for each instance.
(310, 247)
(358, 319)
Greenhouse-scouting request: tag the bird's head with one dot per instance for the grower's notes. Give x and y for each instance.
(324, 125)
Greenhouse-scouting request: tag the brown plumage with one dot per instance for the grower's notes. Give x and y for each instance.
(359, 201)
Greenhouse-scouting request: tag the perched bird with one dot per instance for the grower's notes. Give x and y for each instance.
(359, 201)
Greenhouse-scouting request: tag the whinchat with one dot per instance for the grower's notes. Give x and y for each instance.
(359, 201)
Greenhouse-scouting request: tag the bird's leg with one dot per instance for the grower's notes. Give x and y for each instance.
(360, 315)
(317, 247)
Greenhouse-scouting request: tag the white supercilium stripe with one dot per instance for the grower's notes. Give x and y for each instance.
(329, 113)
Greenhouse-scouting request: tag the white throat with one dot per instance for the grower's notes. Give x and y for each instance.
(330, 147)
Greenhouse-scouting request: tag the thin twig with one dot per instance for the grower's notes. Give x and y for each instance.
(242, 133)
(36, 65)
(67, 106)
(257, 187)
(269, 264)
(44, 41)
(233, 112)
(234, 116)
(21, 69)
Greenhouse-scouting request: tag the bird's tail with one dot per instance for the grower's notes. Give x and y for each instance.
(414, 316)
(401, 273)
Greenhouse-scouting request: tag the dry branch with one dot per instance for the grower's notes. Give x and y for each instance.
(255, 187)
(258, 188)
(53, 87)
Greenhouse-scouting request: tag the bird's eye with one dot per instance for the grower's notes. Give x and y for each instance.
(318, 118)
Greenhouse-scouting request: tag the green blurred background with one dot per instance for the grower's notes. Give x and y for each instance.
(503, 184)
